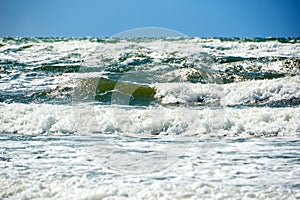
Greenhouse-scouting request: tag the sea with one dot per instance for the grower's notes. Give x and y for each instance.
(149, 118)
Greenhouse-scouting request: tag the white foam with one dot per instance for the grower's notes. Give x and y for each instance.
(34, 119)
(180, 188)
(52, 119)
(238, 93)
(63, 169)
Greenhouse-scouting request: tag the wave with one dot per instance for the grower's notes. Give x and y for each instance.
(189, 81)
(34, 119)
(240, 93)
(112, 92)
(41, 64)
(276, 92)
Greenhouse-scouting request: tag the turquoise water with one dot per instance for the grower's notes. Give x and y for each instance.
(212, 118)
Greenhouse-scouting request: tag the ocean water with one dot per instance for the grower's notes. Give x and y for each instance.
(149, 118)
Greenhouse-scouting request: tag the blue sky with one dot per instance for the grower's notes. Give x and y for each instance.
(203, 18)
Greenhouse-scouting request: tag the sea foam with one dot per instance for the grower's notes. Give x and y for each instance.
(34, 119)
